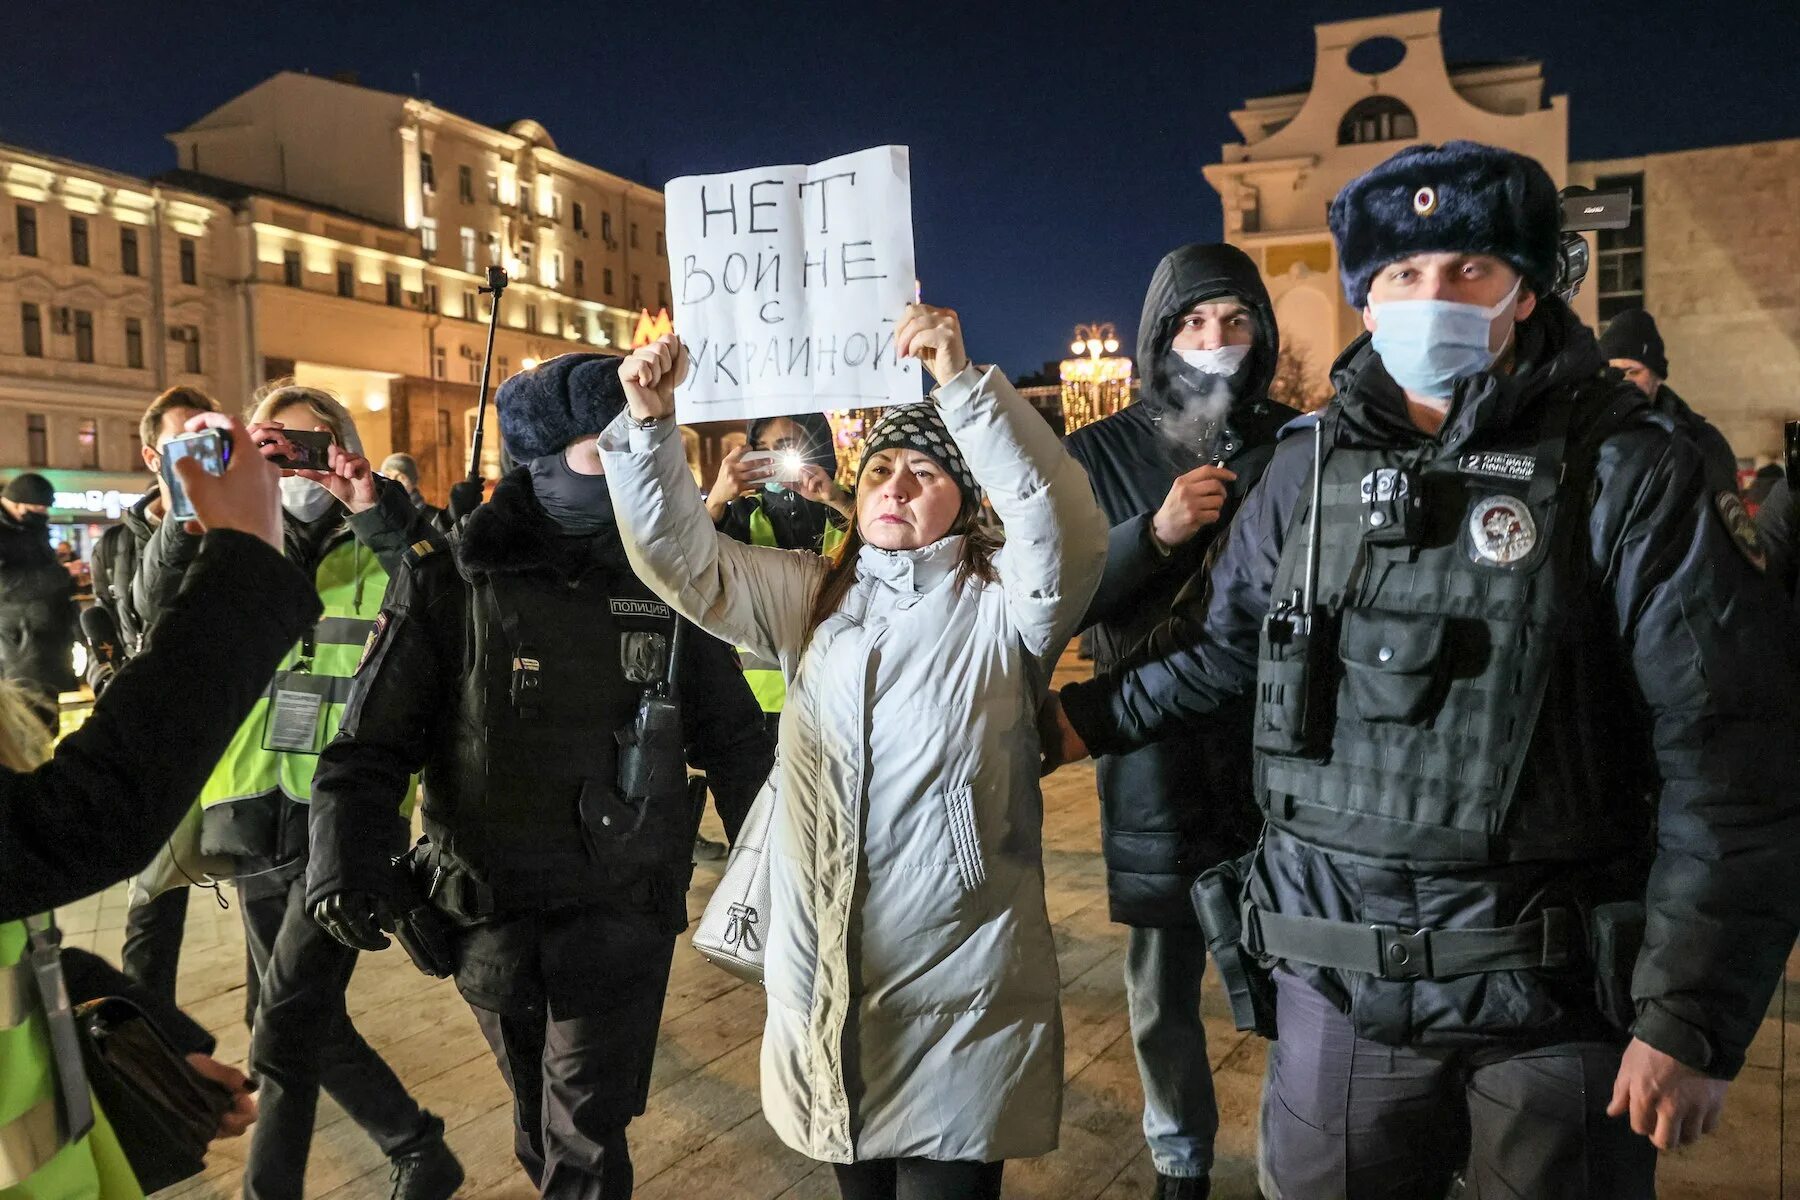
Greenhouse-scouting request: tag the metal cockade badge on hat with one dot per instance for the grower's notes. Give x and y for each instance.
(1502, 530)
(1425, 201)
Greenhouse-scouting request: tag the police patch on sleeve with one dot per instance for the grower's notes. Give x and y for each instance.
(1502, 530)
(1742, 529)
(372, 641)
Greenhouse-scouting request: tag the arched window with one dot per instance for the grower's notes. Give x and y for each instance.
(1377, 119)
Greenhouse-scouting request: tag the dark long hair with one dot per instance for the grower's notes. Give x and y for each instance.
(980, 543)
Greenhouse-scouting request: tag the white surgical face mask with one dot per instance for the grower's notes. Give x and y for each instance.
(1427, 345)
(305, 499)
(1224, 361)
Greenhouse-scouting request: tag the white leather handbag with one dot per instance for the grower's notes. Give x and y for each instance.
(734, 928)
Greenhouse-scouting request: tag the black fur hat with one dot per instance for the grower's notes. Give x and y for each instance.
(1461, 196)
(544, 409)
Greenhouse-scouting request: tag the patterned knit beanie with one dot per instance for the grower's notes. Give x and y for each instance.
(919, 427)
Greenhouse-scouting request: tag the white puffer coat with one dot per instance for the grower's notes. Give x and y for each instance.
(911, 974)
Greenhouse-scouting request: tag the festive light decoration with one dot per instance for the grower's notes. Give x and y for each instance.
(1095, 383)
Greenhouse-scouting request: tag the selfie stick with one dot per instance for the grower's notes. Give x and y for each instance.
(496, 284)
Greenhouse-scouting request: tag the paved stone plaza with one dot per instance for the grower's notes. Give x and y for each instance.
(704, 1136)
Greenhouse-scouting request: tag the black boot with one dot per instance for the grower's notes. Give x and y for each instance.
(425, 1169)
(1183, 1187)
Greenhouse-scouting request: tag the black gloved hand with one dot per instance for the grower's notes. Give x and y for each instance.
(355, 919)
(465, 498)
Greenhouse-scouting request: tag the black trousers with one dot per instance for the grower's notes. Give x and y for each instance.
(303, 1040)
(919, 1179)
(1344, 1118)
(569, 1002)
(152, 952)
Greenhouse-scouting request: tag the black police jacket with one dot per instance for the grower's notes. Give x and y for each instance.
(1684, 685)
(1720, 458)
(1171, 809)
(418, 697)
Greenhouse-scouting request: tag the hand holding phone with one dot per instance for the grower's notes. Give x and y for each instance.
(210, 449)
(305, 450)
(241, 492)
(783, 466)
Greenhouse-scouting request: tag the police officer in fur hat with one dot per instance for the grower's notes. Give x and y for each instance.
(522, 674)
(1528, 749)
(1633, 346)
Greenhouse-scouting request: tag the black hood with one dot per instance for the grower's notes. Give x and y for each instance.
(1553, 350)
(512, 533)
(821, 443)
(1184, 278)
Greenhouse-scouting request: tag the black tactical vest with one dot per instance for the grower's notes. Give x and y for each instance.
(536, 750)
(1443, 650)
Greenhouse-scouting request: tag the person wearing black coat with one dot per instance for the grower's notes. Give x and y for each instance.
(507, 671)
(1524, 880)
(99, 808)
(37, 597)
(1633, 346)
(1171, 471)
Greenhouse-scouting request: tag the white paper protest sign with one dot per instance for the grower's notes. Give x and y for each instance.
(788, 283)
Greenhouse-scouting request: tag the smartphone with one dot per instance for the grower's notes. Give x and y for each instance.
(312, 451)
(783, 466)
(211, 448)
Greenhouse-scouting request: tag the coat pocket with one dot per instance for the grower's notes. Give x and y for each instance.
(959, 814)
(1393, 663)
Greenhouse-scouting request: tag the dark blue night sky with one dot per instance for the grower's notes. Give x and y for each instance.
(1056, 147)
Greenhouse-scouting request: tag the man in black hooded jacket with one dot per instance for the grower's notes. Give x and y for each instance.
(1170, 472)
(1528, 755)
(507, 672)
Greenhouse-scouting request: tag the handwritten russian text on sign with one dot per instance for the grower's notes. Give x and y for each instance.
(788, 282)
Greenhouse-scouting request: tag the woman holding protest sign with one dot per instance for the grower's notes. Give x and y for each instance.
(914, 1037)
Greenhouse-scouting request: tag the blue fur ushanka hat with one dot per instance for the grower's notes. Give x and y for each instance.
(1459, 197)
(544, 409)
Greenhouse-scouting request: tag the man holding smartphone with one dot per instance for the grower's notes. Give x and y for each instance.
(153, 930)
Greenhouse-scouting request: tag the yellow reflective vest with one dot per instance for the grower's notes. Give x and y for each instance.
(38, 1161)
(764, 675)
(351, 585)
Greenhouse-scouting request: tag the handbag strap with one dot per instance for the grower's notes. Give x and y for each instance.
(75, 1105)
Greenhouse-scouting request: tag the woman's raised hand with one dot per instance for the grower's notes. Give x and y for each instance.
(650, 375)
(934, 337)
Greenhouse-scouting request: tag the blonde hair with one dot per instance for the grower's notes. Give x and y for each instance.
(25, 744)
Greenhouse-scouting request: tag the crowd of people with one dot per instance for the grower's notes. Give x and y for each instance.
(1456, 721)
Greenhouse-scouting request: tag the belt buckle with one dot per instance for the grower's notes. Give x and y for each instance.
(1403, 954)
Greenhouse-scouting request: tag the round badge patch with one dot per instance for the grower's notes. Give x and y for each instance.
(1425, 201)
(1742, 529)
(1502, 530)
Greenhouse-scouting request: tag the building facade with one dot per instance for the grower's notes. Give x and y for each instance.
(1713, 251)
(112, 288)
(368, 221)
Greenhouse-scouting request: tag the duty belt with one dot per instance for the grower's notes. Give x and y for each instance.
(1396, 953)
